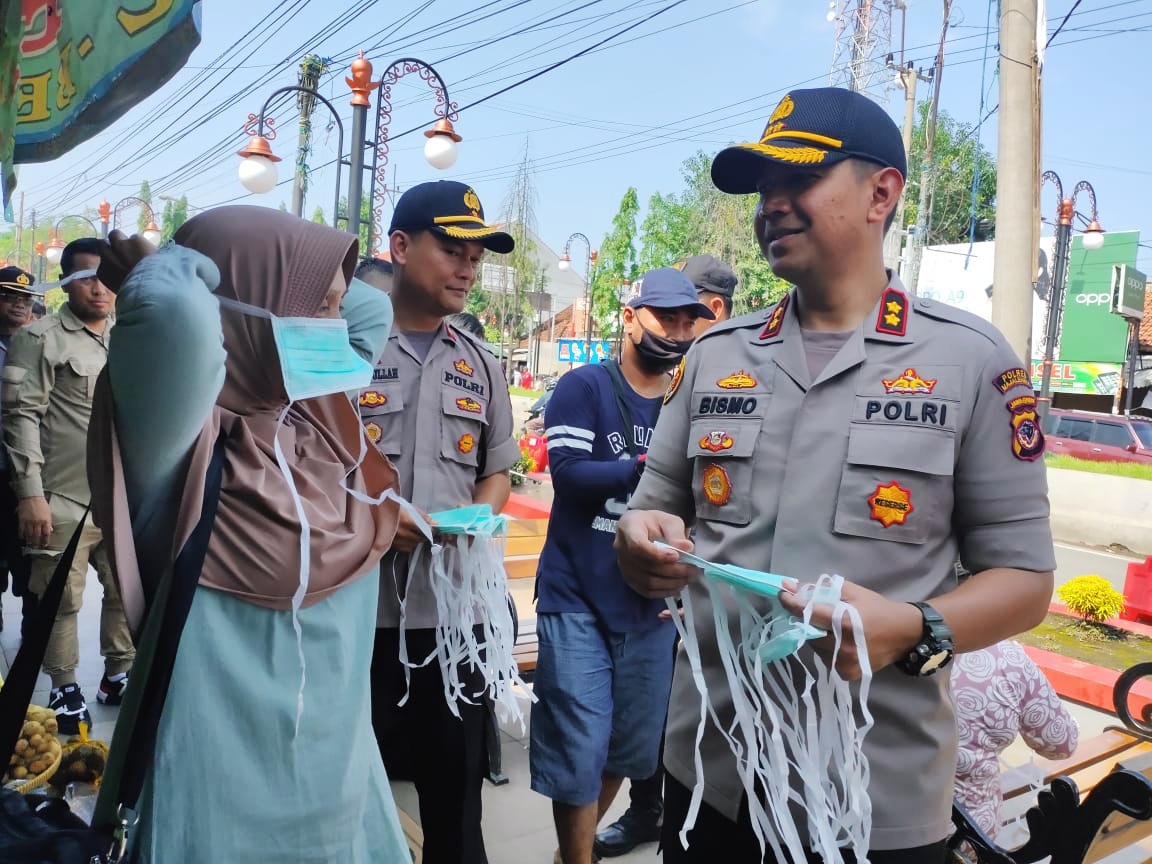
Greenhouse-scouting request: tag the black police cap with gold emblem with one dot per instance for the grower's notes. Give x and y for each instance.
(13, 280)
(821, 126)
(451, 209)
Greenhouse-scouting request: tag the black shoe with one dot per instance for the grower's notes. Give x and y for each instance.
(71, 709)
(626, 833)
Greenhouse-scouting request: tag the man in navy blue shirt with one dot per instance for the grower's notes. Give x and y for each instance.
(604, 667)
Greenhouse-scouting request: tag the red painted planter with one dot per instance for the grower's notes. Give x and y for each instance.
(1086, 683)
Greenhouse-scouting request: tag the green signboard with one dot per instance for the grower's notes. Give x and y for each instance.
(1090, 330)
(1129, 286)
(1095, 379)
(81, 65)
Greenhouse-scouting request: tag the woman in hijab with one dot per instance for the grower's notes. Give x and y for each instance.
(265, 750)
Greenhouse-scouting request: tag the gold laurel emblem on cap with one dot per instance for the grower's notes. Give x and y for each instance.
(795, 155)
(23, 280)
(472, 202)
(784, 109)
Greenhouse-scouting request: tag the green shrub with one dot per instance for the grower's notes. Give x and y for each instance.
(1091, 597)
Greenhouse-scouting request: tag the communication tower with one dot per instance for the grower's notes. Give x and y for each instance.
(863, 43)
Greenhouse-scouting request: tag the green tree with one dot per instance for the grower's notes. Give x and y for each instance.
(145, 195)
(317, 214)
(365, 223)
(702, 219)
(957, 156)
(175, 215)
(616, 265)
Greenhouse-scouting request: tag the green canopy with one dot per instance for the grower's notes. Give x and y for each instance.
(69, 70)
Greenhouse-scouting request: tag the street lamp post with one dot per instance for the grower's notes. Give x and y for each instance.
(440, 150)
(1093, 239)
(258, 170)
(590, 259)
(105, 213)
(151, 230)
(55, 249)
(40, 249)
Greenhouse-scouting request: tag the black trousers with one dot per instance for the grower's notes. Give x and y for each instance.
(715, 838)
(444, 755)
(12, 557)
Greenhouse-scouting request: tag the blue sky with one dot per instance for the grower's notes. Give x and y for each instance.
(694, 77)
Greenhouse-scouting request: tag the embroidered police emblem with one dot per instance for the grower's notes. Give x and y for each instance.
(717, 486)
(469, 405)
(677, 377)
(466, 444)
(681, 264)
(463, 368)
(472, 202)
(909, 383)
(776, 319)
(1027, 436)
(783, 110)
(22, 279)
(892, 319)
(716, 441)
(737, 381)
(373, 431)
(372, 399)
(891, 504)
(1010, 378)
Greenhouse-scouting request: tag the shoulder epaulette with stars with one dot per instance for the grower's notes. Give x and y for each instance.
(893, 317)
(776, 319)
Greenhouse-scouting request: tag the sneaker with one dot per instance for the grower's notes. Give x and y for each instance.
(112, 689)
(70, 707)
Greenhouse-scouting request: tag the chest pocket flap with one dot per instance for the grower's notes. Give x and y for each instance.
(896, 484)
(379, 399)
(721, 437)
(461, 426)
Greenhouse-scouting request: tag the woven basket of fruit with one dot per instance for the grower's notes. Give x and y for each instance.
(37, 753)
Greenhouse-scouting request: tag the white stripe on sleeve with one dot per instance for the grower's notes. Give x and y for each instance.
(571, 443)
(573, 431)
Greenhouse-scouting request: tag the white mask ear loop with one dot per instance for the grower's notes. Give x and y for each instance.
(74, 276)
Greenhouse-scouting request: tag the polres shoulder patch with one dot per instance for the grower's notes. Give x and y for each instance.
(677, 379)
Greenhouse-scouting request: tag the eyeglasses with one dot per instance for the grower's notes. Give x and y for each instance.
(16, 298)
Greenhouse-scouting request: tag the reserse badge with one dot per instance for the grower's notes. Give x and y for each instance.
(891, 504)
(717, 486)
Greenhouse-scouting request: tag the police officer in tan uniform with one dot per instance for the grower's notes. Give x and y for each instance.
(874, 435)
(17, 297)
(439, 408)
(49, 381)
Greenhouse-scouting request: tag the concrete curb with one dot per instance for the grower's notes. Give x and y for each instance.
(1101, 510)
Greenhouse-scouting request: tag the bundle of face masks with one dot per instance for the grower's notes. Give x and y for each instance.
(795, 717)
(471, 587)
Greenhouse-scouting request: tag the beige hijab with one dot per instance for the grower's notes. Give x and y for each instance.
(285, 265)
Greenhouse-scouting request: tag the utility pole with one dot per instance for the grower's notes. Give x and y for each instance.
(928, 163)
(1017, 179)
(311, 68)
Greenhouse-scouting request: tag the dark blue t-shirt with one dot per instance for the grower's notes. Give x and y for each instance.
(593, 476)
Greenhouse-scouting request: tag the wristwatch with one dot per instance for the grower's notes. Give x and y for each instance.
(934, 650)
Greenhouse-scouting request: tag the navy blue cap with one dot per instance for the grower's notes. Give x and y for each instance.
(821, 126)
(668, 288)
(451, 209)
(14, 280)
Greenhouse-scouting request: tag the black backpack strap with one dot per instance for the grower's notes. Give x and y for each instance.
(16, 694)
(141, 747)
(619, 388)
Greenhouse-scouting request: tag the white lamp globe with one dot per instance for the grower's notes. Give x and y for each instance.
(152, 234)
(1093, 240)
(258, 174)
(564, 264)
(440, 151)
(54, 252)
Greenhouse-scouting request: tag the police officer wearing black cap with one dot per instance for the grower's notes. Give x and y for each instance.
(439, 408)
(880, 437)
(17, 299)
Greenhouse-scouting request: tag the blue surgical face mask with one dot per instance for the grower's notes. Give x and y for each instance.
(316, 356)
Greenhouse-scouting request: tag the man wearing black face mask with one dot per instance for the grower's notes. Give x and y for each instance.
(605, 653)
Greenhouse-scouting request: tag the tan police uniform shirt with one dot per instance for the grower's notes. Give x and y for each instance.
(48, 383)
(918, 443)
(445, 423)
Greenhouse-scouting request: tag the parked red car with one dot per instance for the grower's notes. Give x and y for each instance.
(1099, 437)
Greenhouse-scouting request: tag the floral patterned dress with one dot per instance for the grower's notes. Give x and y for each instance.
(999, 693)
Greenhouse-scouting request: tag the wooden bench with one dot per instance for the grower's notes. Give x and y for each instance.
(522, 549)
(1097, 803)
